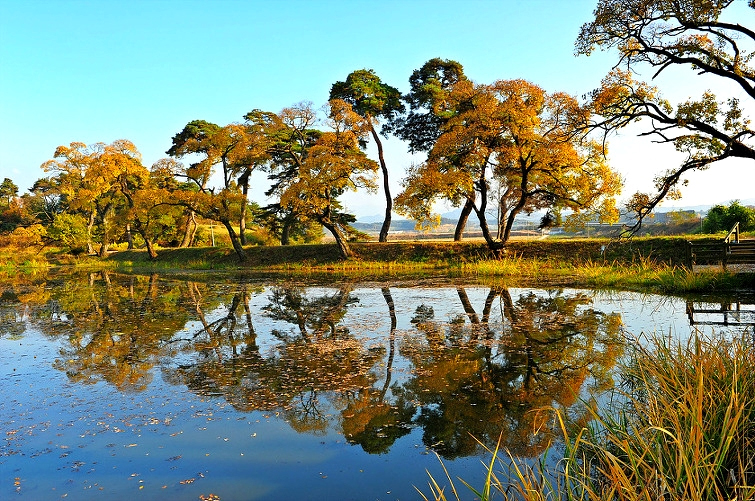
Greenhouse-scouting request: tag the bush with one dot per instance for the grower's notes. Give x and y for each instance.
(723, 218)
(70, 230)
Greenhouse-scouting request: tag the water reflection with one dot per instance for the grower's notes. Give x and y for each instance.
(725, 312)
(329, 359)
(477, 381)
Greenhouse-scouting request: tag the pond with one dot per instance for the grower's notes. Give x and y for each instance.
(123, 385)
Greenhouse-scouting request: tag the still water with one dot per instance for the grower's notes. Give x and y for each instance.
(117, 386)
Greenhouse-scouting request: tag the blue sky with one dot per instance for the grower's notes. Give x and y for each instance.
(97, 71)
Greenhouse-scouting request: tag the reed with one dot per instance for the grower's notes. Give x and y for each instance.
(682, 428)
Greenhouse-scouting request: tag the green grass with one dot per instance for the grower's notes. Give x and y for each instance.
(647, 264)
(682, 428)
(644, 275)
(644, 264)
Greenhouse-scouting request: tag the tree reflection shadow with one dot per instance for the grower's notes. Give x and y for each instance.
(480, 382)
(297, 352)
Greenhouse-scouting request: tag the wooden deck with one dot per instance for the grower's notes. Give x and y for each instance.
(730, 251)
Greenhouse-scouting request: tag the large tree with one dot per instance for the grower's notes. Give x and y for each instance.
(702, 36)
(372, 99)
(429, 110)
(237, 152)
(289, 134)
(8, 191)
(98, 181)
(333, 165)
(516, 148)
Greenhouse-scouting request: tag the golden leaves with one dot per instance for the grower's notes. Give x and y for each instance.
(513, 137)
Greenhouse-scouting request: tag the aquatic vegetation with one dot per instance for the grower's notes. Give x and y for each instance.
(682, 427)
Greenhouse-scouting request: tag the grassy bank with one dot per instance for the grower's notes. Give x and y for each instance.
(650, 264)
(682, 428)
(647, 264)
(667, 250)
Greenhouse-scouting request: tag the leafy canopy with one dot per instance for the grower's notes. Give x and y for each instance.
(703, 36)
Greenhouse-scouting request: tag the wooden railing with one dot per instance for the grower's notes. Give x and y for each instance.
(735, 232)
(727, 251)
(725, 313)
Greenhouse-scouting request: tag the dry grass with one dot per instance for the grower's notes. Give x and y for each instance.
(684, 430)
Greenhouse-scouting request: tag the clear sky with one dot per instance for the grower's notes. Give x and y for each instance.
(101, 70)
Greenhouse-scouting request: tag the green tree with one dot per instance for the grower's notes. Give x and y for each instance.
(8, 191)
(724, 217)
(69, 230)
(372, 99)
(428, 111)
(45, 200)
(698, 35)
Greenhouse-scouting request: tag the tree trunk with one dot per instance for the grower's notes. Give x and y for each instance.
(495, 246)
(244, 184)
(463, 218)
(286, 231)
(386, 188)
(150, 246)
(234, 240)
(104, 213)
(129, 238)
(242, 225)
(343, 246)
(104, 244)
(90, 225)
(191, 229)
(103, 247)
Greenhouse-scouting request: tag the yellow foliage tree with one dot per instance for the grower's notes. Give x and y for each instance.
(706, 37)
(513, 148)
(333, 164)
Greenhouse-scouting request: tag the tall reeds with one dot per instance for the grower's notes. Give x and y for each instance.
(682, 427)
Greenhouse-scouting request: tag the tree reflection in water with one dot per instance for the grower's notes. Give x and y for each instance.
(467, 378)
(475, 382)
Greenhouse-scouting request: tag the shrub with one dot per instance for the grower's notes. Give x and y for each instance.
(723, 218)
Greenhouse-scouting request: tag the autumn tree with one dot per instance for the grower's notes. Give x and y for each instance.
(701, 36)
(333, 165)
(514, 147)
(429, 110)
(373, 100)
(237, 152)
(289, 136)
(100, 180)
(12, 210)
(68, 167)
(170, 225)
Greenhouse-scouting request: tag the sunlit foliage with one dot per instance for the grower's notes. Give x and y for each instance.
(659, 35)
